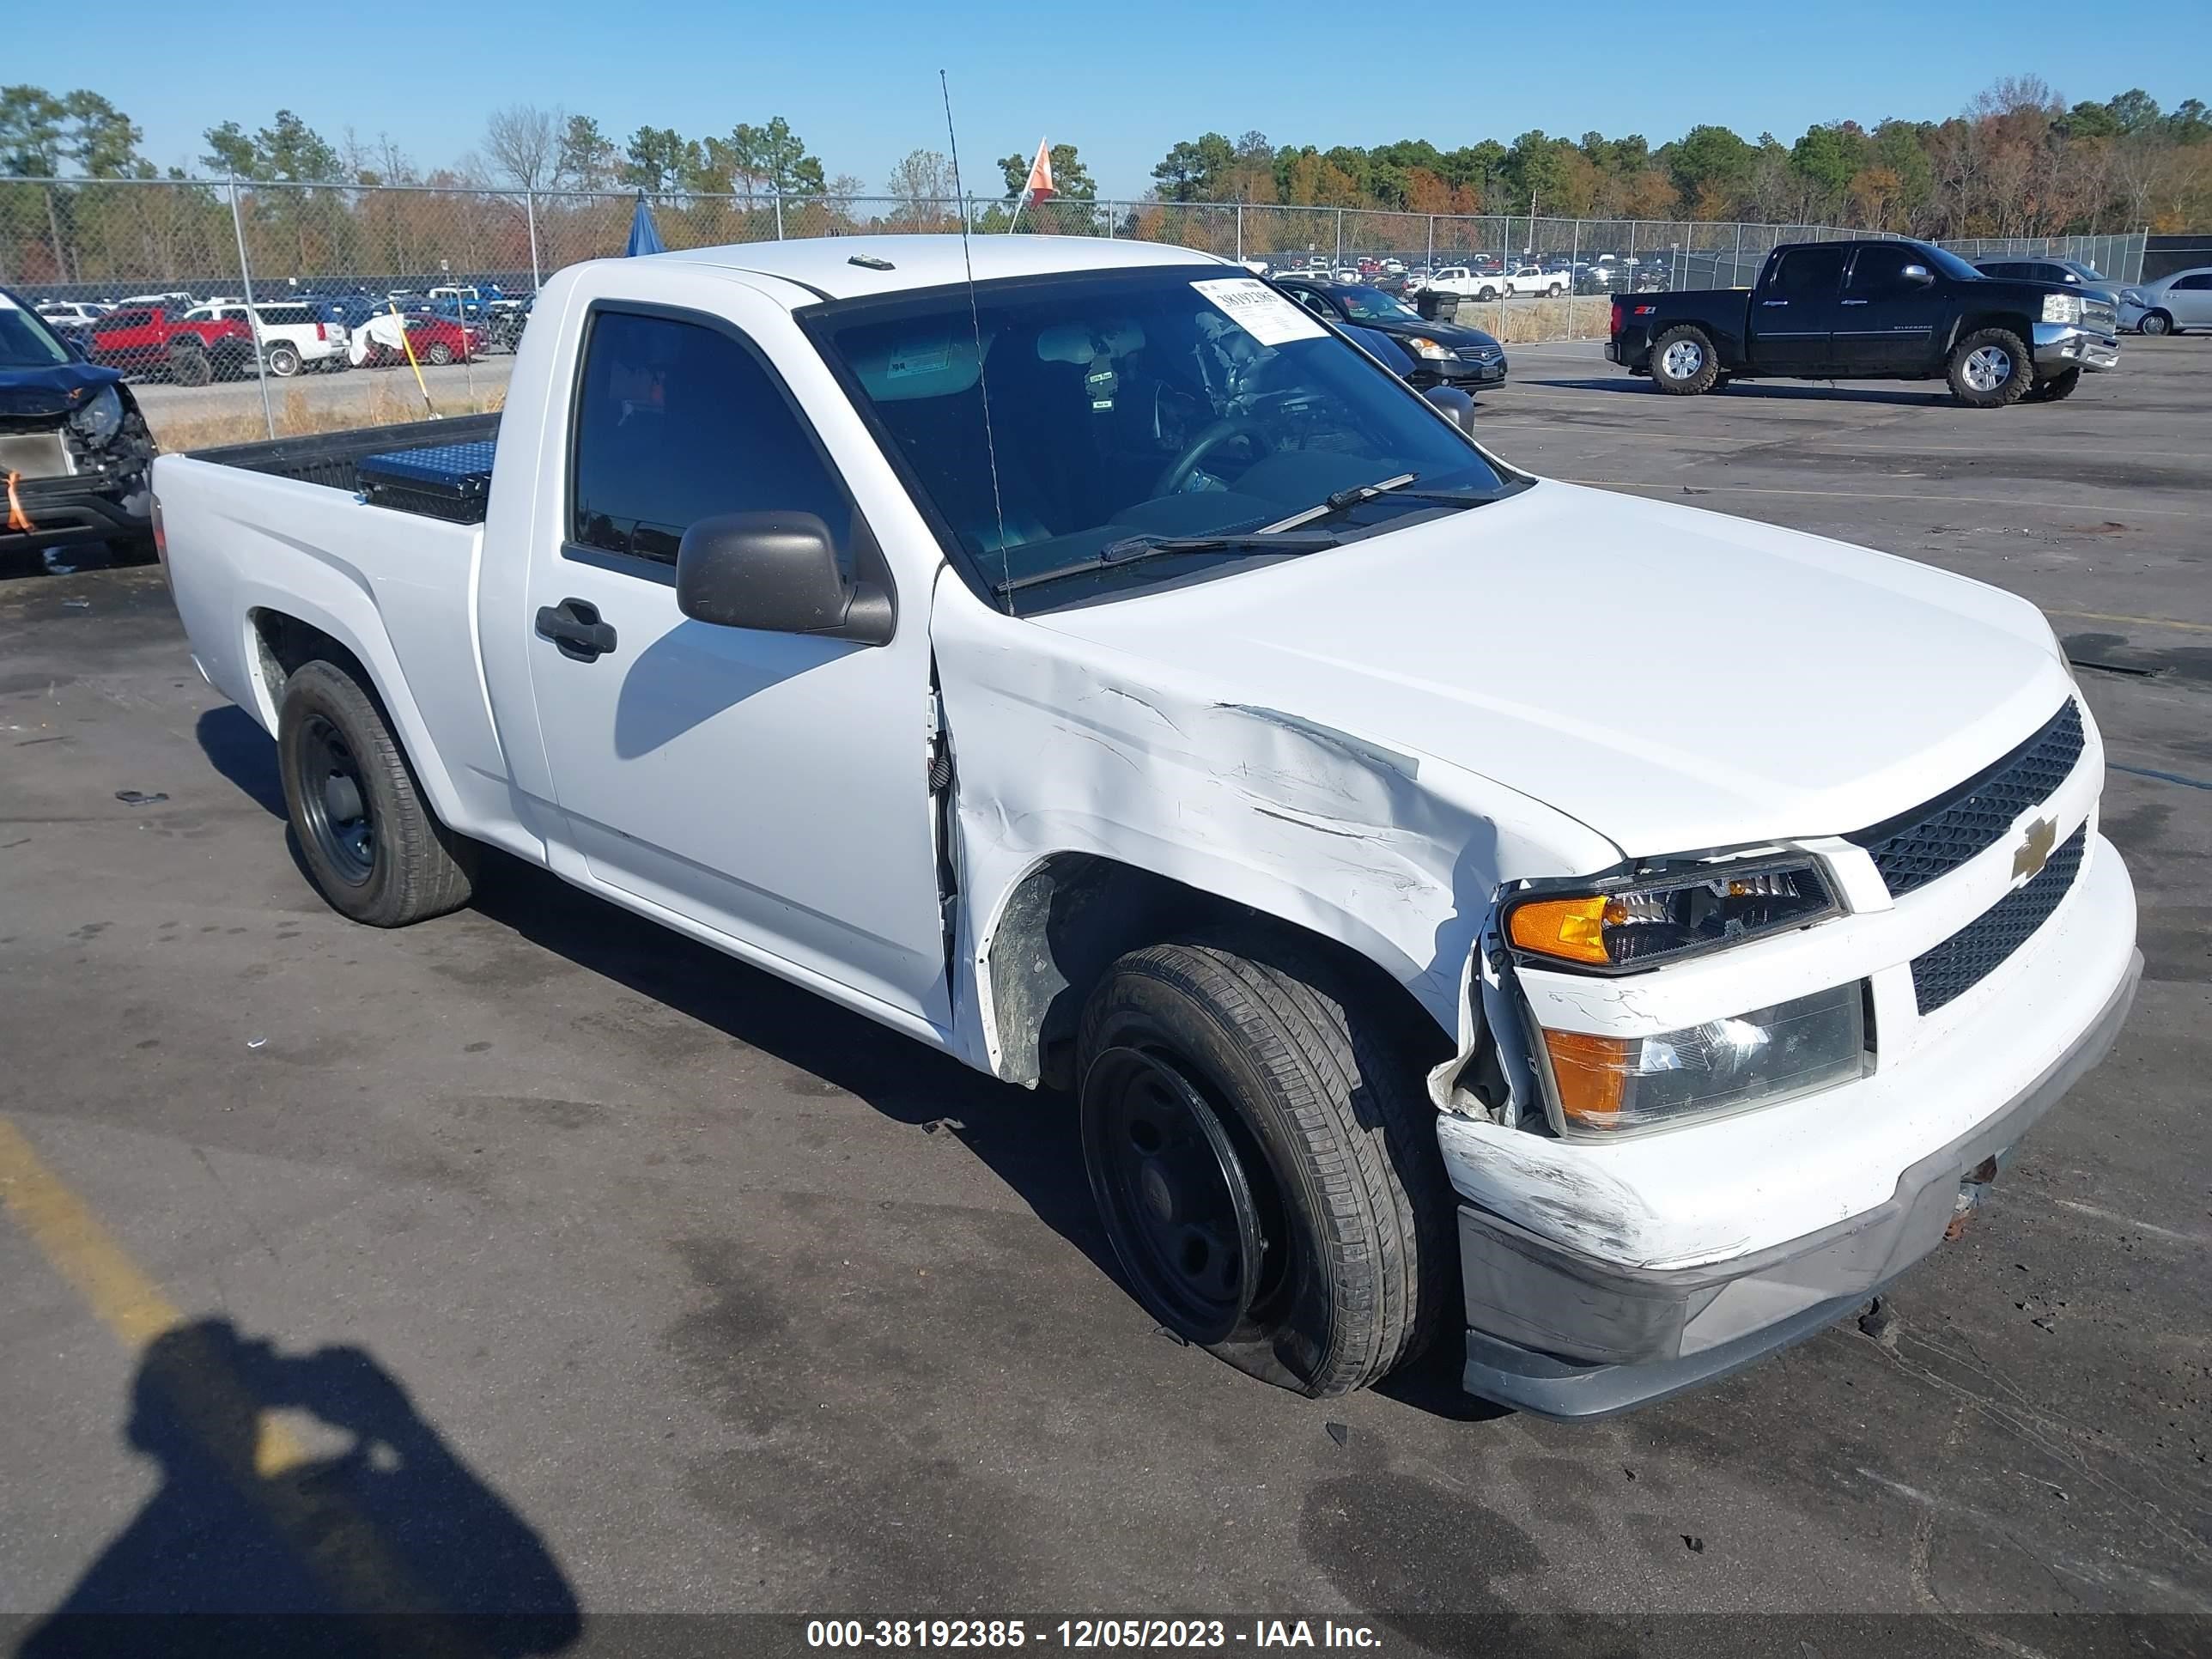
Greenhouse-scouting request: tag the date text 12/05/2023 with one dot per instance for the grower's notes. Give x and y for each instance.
(1086, 1634)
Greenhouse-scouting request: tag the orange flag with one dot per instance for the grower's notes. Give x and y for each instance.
(1040, 184)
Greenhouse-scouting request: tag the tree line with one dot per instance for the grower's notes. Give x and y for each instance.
(2018, 161)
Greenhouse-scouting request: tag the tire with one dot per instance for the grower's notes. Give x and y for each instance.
(283, 360)
(1990, 369)
(440, 353)
(2155, 322)
(340, 764)
(189, 365)
(2052, 390)
(1485, 296)
(1683, 364)
(1553, 292)
(1316, 1095)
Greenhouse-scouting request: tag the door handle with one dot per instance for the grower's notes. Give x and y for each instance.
(1855, 302)
(575, 626)
(1774, 302)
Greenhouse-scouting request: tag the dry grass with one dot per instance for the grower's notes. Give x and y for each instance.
(376, 402)
(1528, 322)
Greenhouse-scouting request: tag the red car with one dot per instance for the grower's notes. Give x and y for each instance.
(435, 339)
(155, 339)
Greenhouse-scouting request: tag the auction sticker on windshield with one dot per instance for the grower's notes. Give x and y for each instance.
(1261, 312)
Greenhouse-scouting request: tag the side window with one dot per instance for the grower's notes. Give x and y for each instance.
(1313, 302)
(1878, 270)
(678, 422)
(1809, 273)
(2199, 280)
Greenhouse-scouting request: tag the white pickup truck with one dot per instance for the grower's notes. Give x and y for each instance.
(1104, 673)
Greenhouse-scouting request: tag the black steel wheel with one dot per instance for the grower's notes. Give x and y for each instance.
(365, 835)
(1264, 1157)
(1182, 1207)
(334, 801)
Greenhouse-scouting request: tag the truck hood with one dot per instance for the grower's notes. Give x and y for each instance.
(51, 388)
(1676, 680)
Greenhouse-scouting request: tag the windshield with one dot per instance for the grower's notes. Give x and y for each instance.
(26, 341)
(1369, 305)
(1154, 402)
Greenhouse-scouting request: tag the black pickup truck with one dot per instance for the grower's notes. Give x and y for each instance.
(1871, 311)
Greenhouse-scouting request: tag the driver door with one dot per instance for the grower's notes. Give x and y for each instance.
(769, 788)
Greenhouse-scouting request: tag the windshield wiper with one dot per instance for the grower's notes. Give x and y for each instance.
(1349, 498)
(1130, 549)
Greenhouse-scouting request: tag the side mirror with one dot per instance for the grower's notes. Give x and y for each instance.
(1457, 407)
(1918, 275)
(775, 572)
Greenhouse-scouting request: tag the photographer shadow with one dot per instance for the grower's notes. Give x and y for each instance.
(369, 1536)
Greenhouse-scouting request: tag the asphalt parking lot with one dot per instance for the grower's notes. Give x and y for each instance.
(662, 1288)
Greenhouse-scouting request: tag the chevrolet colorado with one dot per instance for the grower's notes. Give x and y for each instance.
(1097, 670)
(1872, 311)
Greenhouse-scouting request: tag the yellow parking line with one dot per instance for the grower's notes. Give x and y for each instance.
(117, 1290)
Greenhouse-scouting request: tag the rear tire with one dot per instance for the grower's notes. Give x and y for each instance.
(1990, 369)
(283, 360)
(2155, 322)
(1299, 1224)
(1683, 364)
(189, 364)
(377, 852)
(440, 354)
(2057, 386)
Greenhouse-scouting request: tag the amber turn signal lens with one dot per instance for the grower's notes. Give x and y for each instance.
(1589, 1072)
(1572, 929)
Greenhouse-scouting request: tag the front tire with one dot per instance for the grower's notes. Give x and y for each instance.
(1683, 364)
(1265, 1160)
(377, 852)
(1990, 369)
(2057, 386)
(2155, 322)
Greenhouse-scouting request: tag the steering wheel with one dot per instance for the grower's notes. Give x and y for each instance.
(1209, 439)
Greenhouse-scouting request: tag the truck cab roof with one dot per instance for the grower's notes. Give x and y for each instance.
(852, 267)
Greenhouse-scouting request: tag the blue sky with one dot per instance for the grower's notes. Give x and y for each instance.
(858, 78)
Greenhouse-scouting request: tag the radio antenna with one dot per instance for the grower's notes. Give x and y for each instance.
(975, 323)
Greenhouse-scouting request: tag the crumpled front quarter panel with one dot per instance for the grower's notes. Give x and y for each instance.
(1062, 745)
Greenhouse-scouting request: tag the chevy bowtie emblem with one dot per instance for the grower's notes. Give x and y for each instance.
(2028, 858)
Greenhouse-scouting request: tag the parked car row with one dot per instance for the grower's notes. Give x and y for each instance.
(190, 340)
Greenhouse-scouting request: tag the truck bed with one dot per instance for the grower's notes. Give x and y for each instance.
(333, 458)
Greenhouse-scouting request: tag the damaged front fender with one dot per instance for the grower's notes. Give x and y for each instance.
(1066, 749)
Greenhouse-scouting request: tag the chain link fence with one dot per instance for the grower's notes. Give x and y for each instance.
(252, 303)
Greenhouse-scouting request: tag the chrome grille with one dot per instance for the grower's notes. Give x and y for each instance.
(1970, 955)
(1934, 839)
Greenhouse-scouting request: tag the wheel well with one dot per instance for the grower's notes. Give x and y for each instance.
(2011, 322)
(285, 644)
(1067, 920)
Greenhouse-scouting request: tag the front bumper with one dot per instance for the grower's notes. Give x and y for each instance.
(75, 510)
(1601, 1275)
(1695, 1325)
(2061, 346)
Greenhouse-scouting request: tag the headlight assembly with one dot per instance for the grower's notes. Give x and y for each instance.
(100, 419)
(1643, 921)
(1421, 346)
(2061, 308)
(1599, 1084)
